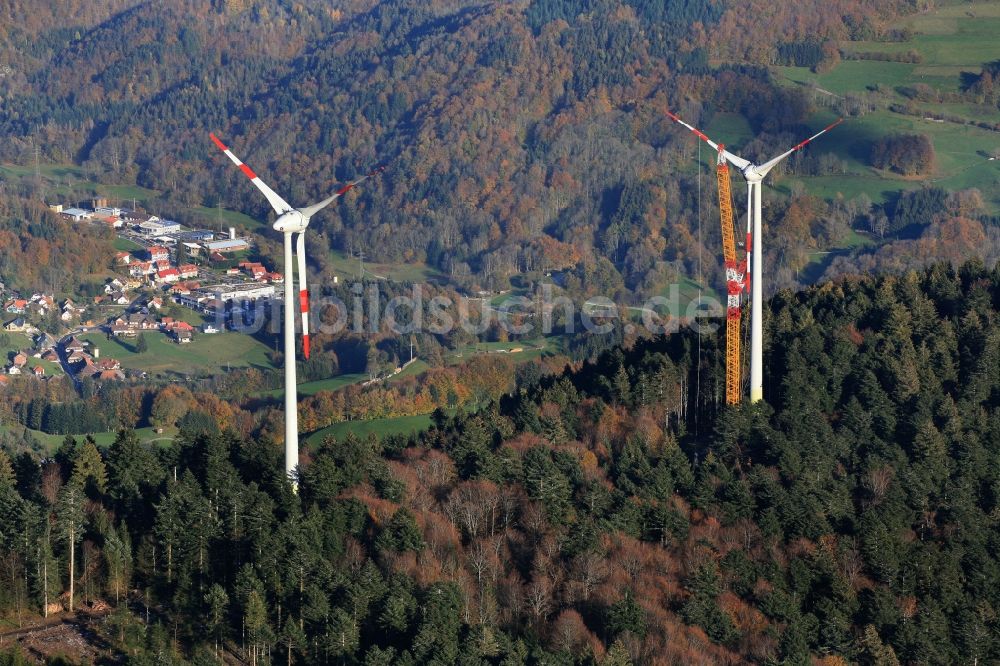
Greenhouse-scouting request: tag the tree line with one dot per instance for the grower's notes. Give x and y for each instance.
(613, 513)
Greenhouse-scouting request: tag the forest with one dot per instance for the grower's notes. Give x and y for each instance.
(614, 512)
(520, 138)
(597, 506)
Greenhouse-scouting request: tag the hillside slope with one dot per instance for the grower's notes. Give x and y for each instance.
(505, 125)
(615, 514)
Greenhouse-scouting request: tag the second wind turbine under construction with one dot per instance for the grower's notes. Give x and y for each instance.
(754, 175)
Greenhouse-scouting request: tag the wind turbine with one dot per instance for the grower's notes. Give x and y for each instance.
(292, 221)
(754, 174)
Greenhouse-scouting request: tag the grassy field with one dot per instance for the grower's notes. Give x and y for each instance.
(951, 40)
(125, 245)
(529, 349)
(52, 442)
(17, 342)
(59, 177)
(64, 179)
(312, 388)
(46, 171)
(214, 218)
(205, 355)
(732, 126)
(687, 291)
(381, 427)
(349, 267)
(20, 342)
(412, 370)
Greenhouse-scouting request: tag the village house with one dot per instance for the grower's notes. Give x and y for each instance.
(89, 369)
(44, 342)
(19, 325)
(123, 331)
(181, 331)
(39, 371)
(13, 370)
(154, 303)
(16, 305)
(119, 298)
(143, 322)
(79, 357)
(187, 271)
(112, 221)
(70, 310)
(123, 258)
(50, 355)
(254, 269)
(113, 285)
(168, 275)
(20, 359)
(158, 253)
(171, 324)
(74, 345)
(141, 268)
(130, 325)
(108, 364)
(44, 300)
(183, 288)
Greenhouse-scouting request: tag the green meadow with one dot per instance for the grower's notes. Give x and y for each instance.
(205, 355)
(51, 442)
(402, 425)
(951, 40)
(348, 268)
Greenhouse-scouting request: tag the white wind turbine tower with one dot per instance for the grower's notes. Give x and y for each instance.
(754, 174)
(291, 221)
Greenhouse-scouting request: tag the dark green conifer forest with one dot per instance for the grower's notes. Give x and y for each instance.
(616, 513)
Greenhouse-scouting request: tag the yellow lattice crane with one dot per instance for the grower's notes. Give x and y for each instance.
(735, 283)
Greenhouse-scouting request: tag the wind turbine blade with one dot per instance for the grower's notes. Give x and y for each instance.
(767, 166)
(279, 205)
(300, 252)
(309, 211)
(735, 160)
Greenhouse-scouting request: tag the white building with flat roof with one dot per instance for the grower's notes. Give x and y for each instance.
(154, 228)
(228, 245)
(77, 214)
(240, 292)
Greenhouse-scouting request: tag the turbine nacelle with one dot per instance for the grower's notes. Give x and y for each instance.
(291, 222)
(754, 175)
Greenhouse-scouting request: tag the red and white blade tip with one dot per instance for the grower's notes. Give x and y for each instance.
(822, 131)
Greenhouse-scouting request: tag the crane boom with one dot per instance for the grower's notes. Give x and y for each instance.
(735, 277)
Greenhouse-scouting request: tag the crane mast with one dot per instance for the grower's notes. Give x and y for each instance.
(735, 283)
